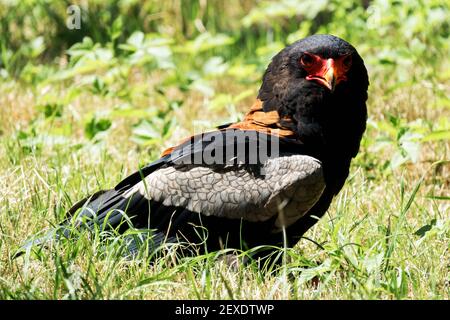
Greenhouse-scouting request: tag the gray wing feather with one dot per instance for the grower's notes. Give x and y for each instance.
(290, 185)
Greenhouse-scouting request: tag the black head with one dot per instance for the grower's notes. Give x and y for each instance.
(320, 83)
(325, 64)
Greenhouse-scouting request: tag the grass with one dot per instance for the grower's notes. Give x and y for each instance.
(79, 115)
(370, 245)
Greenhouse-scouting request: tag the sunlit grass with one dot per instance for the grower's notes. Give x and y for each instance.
(72, 124)
(368, 245)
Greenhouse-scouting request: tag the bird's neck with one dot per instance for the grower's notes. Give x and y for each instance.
(332, 125)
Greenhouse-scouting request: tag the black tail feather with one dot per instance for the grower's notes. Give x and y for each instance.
(106, 208)
(151, 240)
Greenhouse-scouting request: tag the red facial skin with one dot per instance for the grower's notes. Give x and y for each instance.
(326, 72)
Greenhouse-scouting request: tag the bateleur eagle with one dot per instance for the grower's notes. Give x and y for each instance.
(241, 185)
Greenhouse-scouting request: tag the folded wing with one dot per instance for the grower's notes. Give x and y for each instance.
(279, 187)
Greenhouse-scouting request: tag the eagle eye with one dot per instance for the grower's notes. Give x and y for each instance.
(307, 60)
(347, 62)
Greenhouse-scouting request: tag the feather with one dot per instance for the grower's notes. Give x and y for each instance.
(242, 184)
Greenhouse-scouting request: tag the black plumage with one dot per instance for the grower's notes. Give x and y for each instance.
(333, 122)
(326, 114)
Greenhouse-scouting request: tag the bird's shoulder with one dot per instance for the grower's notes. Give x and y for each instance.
(256, 119)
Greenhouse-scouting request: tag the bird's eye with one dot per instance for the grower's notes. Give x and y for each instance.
(347, 62)
(307, 60)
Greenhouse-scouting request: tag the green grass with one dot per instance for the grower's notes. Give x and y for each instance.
(369, 245)
(73, 124)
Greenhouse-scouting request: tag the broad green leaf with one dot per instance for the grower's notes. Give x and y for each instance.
(437, 135)
(95, 126)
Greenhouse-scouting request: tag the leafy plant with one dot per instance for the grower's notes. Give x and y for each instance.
(95, 126)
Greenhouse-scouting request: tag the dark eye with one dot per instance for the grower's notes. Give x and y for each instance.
(347, 62)
(307, 60)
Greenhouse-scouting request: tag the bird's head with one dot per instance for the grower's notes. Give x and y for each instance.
(324, 64)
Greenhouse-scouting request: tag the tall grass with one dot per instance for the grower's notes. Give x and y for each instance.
(82, 109)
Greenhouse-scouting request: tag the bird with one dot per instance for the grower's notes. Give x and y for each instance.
(261, 181)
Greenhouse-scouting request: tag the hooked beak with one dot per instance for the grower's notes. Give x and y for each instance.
(326, 76)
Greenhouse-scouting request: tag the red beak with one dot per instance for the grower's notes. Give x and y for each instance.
(326, 76)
